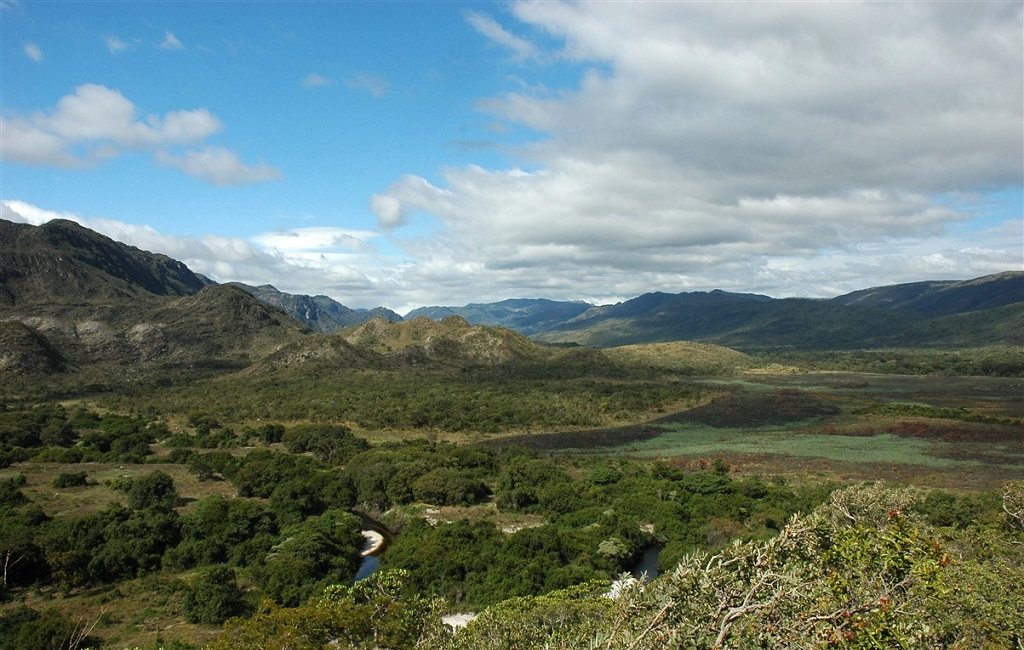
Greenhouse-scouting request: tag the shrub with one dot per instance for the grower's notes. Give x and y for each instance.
(69, 480)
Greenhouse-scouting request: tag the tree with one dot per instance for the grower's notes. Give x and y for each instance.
(214, 598)
(446, 486)
(21, 559)
(331, 443)
(155, 489)
(321, 550)
(28, 629)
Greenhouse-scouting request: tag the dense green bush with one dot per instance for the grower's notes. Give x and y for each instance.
(331, 443)
(214, 598)
(70, 479)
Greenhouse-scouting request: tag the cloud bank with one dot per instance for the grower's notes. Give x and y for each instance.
(301, 260)
(792, 148)
(804, 149)
(96, 123)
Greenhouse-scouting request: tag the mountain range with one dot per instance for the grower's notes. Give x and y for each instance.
(73, 300)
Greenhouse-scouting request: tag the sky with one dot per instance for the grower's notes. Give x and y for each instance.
(412, 153)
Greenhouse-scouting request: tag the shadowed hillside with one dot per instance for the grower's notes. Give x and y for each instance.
(63, 261)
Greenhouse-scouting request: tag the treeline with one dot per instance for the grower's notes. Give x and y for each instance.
(52, 433)
(422, 400)
(994, 361)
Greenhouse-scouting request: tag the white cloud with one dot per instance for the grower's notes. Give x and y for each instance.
(489, 27)
(374, 84)
(323, 260)
(316, 239)
(219, 166)
(171, 42)
(116, 45)
(707, 142)
(388, 210)
(34, 52)
(314, 80)
(95, 123)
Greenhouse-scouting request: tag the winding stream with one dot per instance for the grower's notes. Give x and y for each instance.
(378, 538)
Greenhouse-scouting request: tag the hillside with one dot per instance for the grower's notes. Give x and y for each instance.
(92, 304)
(61, 261)
(81, 309)
(942, 298)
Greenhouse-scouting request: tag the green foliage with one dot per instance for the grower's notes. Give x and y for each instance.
(558, 619)
(992, 361)
(24, 628)
(861, 572)
(331, 443)
(376, 613)
(259, 472)
(153, 490)
(270, 433)
(10, 492)
(437, 473)
(446, 486)
(70, 479)
(108, 546)
(898, 409)
(219, 530)
(21, 558)
(321, 550)
(214, 598)
(428, 400)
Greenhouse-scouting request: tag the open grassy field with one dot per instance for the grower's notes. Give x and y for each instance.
(98, 493)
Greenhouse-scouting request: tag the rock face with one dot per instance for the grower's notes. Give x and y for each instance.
(24, 351)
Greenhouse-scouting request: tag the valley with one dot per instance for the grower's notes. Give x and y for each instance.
(183, 465)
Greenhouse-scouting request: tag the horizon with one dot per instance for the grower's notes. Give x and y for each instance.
(402, 154)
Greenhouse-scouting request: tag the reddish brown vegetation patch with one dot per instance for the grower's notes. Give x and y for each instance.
(951, 432)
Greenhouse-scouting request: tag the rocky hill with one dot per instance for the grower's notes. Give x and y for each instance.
(83, 309)
(62, 261)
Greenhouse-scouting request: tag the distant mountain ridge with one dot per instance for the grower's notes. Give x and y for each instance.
(525, 315)
(920, 314)
(319, 313)
(74, 301)
(942, 298)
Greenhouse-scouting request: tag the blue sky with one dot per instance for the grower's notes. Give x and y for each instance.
(412, 153)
